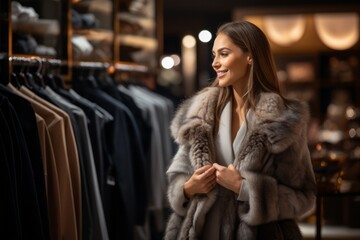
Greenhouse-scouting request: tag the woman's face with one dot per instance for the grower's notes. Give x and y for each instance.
(230, 63)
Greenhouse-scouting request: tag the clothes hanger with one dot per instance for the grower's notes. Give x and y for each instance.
(50, 81)
(38, 77)
(33, 83)
(59, 81)
(14, 80)
(103, 78)
(21, 77)
(48, 77)
(55, 77)
(90, 79)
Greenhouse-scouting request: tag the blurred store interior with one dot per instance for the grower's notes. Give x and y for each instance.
(164, 47)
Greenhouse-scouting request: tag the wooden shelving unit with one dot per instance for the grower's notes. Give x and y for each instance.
(56, 28)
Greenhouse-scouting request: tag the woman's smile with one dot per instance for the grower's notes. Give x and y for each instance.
(221, 74)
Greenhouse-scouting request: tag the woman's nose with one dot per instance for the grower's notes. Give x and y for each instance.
(215, 64)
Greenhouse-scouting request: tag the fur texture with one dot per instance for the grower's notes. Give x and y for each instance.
(280, 187)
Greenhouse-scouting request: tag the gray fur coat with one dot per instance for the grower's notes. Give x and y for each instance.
(282, 187)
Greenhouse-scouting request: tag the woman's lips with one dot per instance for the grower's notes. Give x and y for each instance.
(221, 74)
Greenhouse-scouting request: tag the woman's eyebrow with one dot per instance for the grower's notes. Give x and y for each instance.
(221, 49)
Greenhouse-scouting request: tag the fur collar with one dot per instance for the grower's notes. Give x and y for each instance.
(282, 121)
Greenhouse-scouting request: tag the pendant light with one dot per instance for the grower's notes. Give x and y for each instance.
(338, 31)
(284, 30)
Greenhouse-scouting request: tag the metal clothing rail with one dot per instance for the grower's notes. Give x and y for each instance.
(92, 65)
(127, 67)
(35, 61)
(117, 67)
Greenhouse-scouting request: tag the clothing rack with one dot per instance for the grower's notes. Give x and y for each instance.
(33, 61)
(118, 67)
(121, 70)
(135, 73)
(92, 65)
(36, 61)
(123, 67)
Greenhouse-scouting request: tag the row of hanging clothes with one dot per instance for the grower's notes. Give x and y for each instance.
(82, 162)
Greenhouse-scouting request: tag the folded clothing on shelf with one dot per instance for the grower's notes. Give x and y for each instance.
(83, 20)
(19, 12)
(26, 44)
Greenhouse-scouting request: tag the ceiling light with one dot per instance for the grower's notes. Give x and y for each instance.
(189, 41)
(284, 30)
(176, 59)
(205, 36)
(167, 62)
(338, 31)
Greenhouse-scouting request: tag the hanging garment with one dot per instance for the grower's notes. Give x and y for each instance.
(123, 172)
(141, 138)
(71, 151)
(157, 110)
(157, 184)
(56, 126)
(26, 116)
(51, 178)
(94, 222)
(28, 219)
(98, 118)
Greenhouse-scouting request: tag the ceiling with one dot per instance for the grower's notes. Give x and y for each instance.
(183, 17)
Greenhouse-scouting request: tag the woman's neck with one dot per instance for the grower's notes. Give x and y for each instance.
(238, 113)
(237, 102)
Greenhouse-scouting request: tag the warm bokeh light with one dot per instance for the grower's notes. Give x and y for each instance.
(111, 69)
(189, 41)
(338, 31)
(205, 36)
(167, 62)
(176, 59)
(284, 30)
(189, 59)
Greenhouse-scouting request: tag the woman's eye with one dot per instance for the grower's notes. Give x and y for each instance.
(224, 54)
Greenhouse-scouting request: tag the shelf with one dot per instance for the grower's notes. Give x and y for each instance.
(95, 34)
(130, 23)
(95, 6)
(146, 22)
(141, 42)
(38, 27)
(75, 31)
(145, 9)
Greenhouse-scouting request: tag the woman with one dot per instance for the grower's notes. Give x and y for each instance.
(243, 169)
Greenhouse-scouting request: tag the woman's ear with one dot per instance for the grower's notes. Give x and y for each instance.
(249, 59)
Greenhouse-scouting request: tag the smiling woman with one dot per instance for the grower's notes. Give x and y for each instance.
(243, 168)
(231, 63)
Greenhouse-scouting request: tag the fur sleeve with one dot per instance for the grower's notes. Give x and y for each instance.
(178, 173)
(270, 201)
(289, 193)
(176, 195)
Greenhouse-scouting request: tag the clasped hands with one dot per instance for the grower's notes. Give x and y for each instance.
(204, 179)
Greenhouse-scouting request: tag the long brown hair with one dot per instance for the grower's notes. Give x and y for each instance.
(262, 77)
